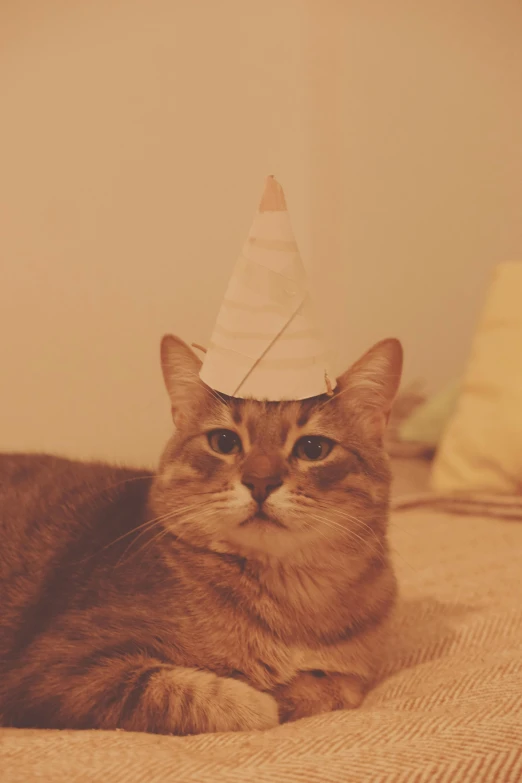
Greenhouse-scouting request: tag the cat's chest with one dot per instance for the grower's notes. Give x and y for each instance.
(265, 630)
(266, 661)
(240, 644)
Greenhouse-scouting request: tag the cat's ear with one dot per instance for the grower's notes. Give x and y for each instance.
(371, 384)
(180, 367)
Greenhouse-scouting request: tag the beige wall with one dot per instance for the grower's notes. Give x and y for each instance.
(134, 138)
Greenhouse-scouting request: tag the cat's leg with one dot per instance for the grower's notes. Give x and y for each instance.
(189, 701)
(138, 694)
(313, 692)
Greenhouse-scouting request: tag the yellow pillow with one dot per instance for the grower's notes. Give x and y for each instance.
(481, 449)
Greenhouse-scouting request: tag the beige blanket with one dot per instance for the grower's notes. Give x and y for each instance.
(450, 709)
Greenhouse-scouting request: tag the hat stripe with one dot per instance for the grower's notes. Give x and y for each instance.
(297, 335)
(282, 245)
(274, 364)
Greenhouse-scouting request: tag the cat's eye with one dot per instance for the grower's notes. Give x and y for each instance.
(224, 441)
(313, 448)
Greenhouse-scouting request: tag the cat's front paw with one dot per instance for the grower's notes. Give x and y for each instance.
(311, 693)
(239, 707)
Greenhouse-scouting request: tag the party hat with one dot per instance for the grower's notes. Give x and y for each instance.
(266, 344)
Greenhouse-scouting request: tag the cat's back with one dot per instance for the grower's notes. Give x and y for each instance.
(53, 511)
(34, 489)
(41, 492)
(28, 481)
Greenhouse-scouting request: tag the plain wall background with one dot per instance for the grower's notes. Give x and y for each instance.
(134, 140)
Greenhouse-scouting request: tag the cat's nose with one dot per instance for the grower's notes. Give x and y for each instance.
(262, 476)
(261, 487)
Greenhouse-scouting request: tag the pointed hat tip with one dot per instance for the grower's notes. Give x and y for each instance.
(273, 198)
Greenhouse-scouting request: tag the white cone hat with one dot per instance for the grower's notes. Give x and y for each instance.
(265, 343)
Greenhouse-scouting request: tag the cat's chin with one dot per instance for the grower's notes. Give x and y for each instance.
(262, 520)
(263, 536)
(256, 544)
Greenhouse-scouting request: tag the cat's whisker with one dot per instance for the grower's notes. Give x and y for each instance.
(148, 476)
(379, 548)
(362, 525)
(366, 526)
(154, 540)
(332, 523)
(391, 549)
(164, 530)
(335, 525)
(343, 513)
(313, 508)
(145, 526)
(349, 534)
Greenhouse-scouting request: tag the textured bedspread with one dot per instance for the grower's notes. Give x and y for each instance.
(450, 708)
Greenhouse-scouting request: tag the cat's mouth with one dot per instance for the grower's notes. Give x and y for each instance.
(262, 519)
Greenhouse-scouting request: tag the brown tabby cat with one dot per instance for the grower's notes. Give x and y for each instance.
(247, 582)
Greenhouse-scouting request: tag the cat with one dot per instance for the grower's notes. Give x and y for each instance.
(246, 583)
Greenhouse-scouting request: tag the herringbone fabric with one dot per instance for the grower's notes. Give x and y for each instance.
(449, 710)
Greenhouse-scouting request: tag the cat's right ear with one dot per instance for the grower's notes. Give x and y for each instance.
(180, 367)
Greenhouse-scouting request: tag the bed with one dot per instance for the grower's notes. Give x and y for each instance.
(449, 707)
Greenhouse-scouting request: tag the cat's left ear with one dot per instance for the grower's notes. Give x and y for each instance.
(180, 367)
(371, 384)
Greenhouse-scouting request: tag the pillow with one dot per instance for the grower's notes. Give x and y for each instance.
(481, 448)
(427, 422)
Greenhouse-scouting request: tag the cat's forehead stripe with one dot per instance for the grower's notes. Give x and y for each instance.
(251, 425)
(307, 409)
(284, 430)
(264, 422)
(237, 412)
